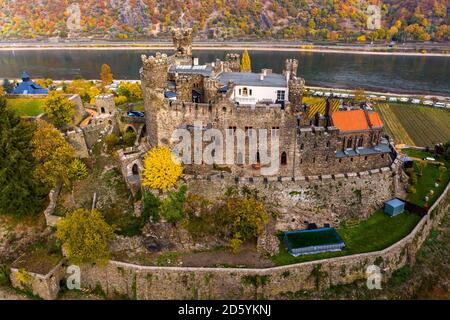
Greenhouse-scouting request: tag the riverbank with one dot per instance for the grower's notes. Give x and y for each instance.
(237, 46)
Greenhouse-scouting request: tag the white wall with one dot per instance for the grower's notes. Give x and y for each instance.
(258, 93)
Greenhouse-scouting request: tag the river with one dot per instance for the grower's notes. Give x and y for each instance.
(408, 74)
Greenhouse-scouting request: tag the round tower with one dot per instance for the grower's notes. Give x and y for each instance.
(153, 82)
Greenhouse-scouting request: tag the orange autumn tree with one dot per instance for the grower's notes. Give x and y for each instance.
(106, 75)
(161, 169)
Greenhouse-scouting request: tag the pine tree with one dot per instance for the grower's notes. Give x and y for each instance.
(20, 193)
(246, 64)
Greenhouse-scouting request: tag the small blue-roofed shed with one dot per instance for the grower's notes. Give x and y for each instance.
(394, 207)
(27, 86)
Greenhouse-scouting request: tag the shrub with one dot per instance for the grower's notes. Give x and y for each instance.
(411, 189)
(120, 100)
(129, 138)
(151, 205)
(172, 206)
(111, 140)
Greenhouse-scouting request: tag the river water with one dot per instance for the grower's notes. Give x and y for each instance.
(413, 74)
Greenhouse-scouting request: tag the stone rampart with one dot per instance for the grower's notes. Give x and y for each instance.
(148, 282)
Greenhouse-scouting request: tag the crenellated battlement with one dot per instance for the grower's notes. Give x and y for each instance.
(154, 71)
(182, 40)
(291, 67)
(349, 176)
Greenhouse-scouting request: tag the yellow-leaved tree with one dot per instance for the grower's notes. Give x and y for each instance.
(85, 236)
(2, 91)
(54, 155)
(59, 109)
(161, 169)
(246, 64)
(106, 75)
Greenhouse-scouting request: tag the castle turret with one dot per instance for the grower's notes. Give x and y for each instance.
(290, 68)
(182, 41)
(154, 83)
(233, 62)
(296, 86)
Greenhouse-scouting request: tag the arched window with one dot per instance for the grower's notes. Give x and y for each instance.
(302, 146)
(240, 160)
(360, 141)
(102, 110)
(135, 169)
(283, 158)
(349, 143)
(258, 158)
(245, 92)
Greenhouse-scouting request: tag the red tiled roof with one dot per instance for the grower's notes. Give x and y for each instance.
(355, 120)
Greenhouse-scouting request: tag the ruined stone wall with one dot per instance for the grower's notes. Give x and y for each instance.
(45, 286)
(145, 282)
(78, 142)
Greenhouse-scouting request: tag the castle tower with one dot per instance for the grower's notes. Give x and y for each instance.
(296, 86)
(154, 82)
(233, 62)
(104, 103)
(290, 68)
(182, 41)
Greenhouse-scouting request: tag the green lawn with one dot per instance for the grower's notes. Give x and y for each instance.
(26, 106)
(423, 154)
(376, 233)
(426, 182)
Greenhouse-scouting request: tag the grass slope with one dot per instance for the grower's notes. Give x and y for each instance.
(376, 233)
(26, 106)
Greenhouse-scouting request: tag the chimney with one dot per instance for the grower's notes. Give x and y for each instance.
(195, 61)
(261, 76)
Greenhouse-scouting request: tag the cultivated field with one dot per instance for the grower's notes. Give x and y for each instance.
(415, 125)
(318, 104)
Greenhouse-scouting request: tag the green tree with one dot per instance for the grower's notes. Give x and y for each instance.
(59, 109)
(77, 170)
(85, 236)
(421, 166)
(442, 171)
(20, 192)
(447, 150)
(247, 218)
(172, 206)
(246, 64)
(53, 153)
(111, 140)
(129, 138)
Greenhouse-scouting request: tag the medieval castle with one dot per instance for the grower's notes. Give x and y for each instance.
(180, 93)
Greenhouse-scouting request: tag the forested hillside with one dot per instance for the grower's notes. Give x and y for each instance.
(345, 20)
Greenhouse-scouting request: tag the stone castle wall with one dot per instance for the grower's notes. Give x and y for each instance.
(326, 199)
(145, 282)
(310, 152)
